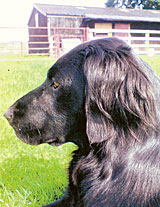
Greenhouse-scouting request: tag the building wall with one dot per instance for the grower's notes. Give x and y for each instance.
(38, 34)
(103, 25)
(145, 25)
(42, 20)
(66, 21)
(65, 25)
(121, 26)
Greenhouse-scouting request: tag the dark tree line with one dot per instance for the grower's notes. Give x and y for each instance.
(132, 4)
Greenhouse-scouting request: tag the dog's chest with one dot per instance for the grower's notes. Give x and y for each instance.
(84, 170)
(86, 180)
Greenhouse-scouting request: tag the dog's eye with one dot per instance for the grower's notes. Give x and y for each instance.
(55, 85)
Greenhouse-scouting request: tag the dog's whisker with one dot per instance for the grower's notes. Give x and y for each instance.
(39, 132)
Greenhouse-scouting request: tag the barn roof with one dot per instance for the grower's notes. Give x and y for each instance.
(99, 13)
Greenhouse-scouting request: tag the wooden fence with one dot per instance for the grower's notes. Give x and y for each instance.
(142, 41)
(57, 41)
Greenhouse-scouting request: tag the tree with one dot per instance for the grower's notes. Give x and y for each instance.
(132, 4)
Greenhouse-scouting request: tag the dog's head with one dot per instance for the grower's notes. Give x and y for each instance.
(54, 112)
(96, 91)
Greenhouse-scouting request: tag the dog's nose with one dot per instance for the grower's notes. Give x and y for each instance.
(15, 111)
(9, 114)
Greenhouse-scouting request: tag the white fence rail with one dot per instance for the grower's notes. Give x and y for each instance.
(57, 41)
(142, 41)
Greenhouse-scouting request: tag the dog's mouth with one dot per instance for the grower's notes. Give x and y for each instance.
(53, 142)
(26, 137)
(30, 134)
(35, 137)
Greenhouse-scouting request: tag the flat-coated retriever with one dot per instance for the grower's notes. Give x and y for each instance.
(104, 98)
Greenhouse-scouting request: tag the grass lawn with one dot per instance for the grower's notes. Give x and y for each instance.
(31, 175)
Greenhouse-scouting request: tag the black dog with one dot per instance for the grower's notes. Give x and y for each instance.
(105, 99)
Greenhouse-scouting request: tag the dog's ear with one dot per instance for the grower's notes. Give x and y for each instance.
(119, 95)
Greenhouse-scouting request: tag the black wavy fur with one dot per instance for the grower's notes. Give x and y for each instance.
(105, 99)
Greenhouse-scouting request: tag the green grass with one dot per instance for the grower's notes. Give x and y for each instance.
(31, 175)
(153, 61)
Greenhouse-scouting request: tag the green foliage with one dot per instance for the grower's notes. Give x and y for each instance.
(31, 176)
(132, 4)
